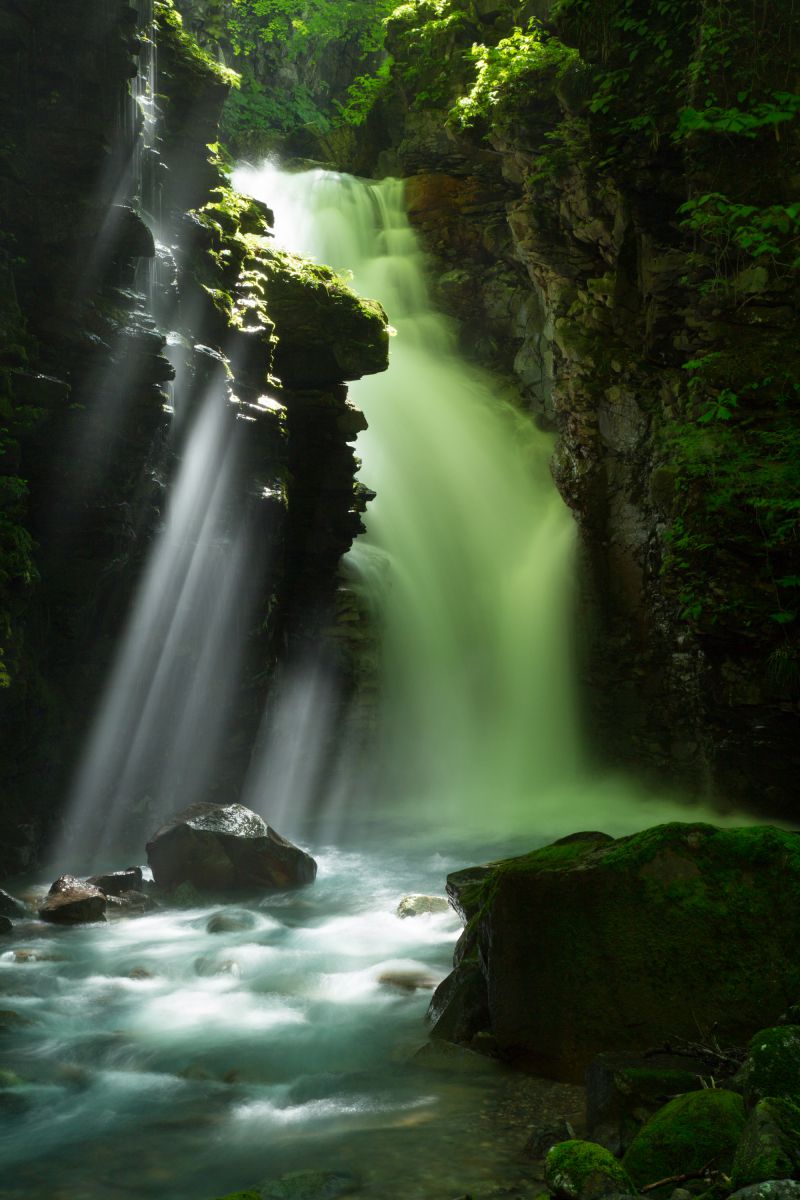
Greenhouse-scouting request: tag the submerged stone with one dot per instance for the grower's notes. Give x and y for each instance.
(10, 906)
(310, 1185)
(70, 901)
(225, 848)
(235, 921)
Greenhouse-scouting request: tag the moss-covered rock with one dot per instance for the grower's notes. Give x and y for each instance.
(624, 1090)
(700, 1129)
(772, 1066)
(577, 1170)
(770, 1145)
(592, 945)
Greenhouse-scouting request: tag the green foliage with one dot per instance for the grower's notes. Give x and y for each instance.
(293, 33)
(427, 38)
(737, 233)
(737, 454)
(507, 73)
(363, 93)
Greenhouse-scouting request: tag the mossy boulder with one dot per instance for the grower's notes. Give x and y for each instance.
(593, 945)
(700, 1129)
(772, 1066)
(577, 1170)
(770, 1145)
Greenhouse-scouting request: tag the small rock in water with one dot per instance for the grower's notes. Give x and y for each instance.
(70, 901)
(10, 907)
(234, 921)
(140, 973)
(206, 965)
(407, 981)
(414, 906)
(34, 956)
(10, 1020)
(226, 848)
(114, 883)
(5, 925)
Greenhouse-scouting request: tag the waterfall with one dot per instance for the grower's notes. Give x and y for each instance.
(468, 559)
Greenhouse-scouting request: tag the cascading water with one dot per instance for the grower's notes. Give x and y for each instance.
(467, 564)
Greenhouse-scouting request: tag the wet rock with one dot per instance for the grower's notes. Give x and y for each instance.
(413, 906)
(459, 1008)
(770, 1145)
(226, 849)
(5, 926)
(140, 973)
(407, 981)
(771, 1189)
(11, 1021)
(10, 906)
(70, 901)
(233, 921)
(772, 1065)
(116, 882)
(686, 1135)
(577, 1170)
(207, 966)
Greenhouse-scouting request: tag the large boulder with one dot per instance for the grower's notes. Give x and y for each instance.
(71, 901)
(114, 883)
(594, 944)
(624, 1090)
(225, 848)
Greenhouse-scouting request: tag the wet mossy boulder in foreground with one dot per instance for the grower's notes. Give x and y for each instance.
(577, 1170)
(225, 848)
(690, 1134)
(593, 944)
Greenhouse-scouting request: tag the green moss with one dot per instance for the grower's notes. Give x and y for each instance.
(251, 1195)
(770, 1145)
(691, 1132)
(171, 29)
(772, 1066)
(580, 1170)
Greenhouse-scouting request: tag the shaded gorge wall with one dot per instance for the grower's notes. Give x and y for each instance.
(136, 283)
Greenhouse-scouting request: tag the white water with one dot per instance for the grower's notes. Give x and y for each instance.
(159, 1060)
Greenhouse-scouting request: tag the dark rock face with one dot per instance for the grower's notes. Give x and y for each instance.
(70, 901)
(592, 946)
(226, 849)
(770, 1144)
(562, 248)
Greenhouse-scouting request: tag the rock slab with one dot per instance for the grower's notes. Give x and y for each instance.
(593, 945)
(226, 848)
(71, 901)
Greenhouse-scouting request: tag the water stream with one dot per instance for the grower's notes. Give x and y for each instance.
(162, 1056)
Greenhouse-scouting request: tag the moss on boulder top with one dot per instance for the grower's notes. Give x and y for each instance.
(577, 1170)
(772, 1066)
(595, 944)
(698, 1130)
